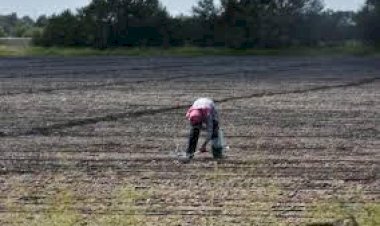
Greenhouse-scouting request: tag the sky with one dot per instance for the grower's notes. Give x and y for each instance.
(34, 8)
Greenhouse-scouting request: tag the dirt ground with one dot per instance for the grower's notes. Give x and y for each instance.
(94, 141)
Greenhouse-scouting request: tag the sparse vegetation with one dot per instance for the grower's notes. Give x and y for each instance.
(349, 49)
(351, 210)
(14, 26)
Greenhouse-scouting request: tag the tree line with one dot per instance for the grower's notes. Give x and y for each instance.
(233, 23)
(13, 26)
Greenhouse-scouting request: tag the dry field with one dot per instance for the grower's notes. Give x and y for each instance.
(94, 141)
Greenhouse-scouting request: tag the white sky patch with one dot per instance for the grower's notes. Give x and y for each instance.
(34, 8)
(344, 4)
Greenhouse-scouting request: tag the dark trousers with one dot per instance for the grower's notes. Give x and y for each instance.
(194, 136)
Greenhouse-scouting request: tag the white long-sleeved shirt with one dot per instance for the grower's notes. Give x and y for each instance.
(209, 113)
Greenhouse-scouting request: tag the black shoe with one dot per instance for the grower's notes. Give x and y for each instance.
(217, 153)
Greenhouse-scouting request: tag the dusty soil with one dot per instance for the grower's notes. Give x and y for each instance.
(303, 136)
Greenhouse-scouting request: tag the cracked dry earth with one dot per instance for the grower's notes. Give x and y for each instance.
(94, 141)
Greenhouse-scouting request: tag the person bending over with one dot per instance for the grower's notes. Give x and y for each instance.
(203, 114)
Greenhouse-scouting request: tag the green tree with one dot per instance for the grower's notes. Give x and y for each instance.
(265, 23)
(16, 27)
(125, 22)
(204, 22)
(26, 20)
(64, 29)
(368, 21)
(2, 32)
(236, 24)
(206, 10)
(20, 30)
(8, 23)
(42, 21)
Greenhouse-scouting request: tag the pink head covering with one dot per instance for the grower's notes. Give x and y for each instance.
(195, 116)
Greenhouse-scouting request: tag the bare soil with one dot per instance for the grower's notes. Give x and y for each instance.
(302, 132)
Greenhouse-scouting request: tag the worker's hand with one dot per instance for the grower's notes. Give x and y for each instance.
(203, 149)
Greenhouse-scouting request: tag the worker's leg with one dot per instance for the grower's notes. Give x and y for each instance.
(215, 132)
(193, 140)
(217, 149)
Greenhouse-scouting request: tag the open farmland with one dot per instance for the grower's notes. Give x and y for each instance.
(93, 141)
